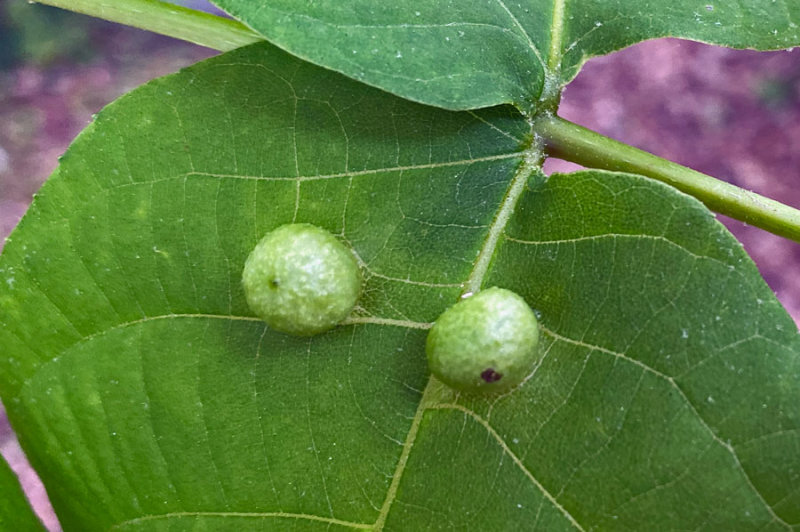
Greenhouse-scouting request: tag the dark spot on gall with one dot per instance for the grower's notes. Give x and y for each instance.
(490, 375)
(274, 283)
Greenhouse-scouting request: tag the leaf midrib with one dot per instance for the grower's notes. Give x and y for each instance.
(517, 185)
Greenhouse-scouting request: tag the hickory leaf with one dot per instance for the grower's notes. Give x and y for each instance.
(148, 397)
(463, 54)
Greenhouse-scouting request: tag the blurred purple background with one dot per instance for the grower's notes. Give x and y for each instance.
(732, 114)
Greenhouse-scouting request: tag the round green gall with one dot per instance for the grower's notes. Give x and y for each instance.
(486, 343)
(301, 280)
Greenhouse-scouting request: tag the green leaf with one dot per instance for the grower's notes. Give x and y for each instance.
(139, 378)
(463, 54)
(148, 397)
(668, 393)
(15, 512)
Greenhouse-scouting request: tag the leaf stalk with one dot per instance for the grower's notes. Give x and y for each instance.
(574, 143)
(191, 25)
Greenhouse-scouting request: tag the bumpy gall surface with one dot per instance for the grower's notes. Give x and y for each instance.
(301, 280)
(487, 343)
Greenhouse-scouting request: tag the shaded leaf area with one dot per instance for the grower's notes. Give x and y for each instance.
(668, 388)
(181, 417)
(137, 379)
(463, 54)
(15, 511)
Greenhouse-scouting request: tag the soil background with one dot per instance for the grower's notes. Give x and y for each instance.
(733, 114)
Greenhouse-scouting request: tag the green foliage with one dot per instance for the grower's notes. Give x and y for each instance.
(147, 395)
(301, 280)
(485, 343)
(463, 54)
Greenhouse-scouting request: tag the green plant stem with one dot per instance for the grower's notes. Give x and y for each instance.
(161, 17)
(575, 143)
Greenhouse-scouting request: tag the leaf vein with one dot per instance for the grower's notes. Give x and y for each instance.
(615, 236)
(511, 454)
(284, 515)
(354, 173)
(727, 446)
(519, 26)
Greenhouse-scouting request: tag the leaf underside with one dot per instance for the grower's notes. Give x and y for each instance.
(148, 397)
(463, 54)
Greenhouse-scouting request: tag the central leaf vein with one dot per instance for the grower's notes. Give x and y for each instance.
(516, 187)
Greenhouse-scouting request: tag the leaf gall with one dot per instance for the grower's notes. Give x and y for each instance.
(301, 280)
(487, 343)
